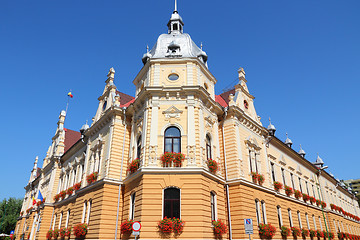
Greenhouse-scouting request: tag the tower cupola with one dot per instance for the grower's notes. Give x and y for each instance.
(301, 152)
(271, 128)
(175, 24)
(288, 141)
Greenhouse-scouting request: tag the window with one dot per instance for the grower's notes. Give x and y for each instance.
(299, 219)
(263, 209)
(138, 148)
(53, 226)
(213, 206)
(290, 218)
(84, 212)
(60, 219)
(320, 223)
(104, 105)
(300, 185)
(313, 216)
(292, 180)
(172, 203)
(257, 211)
(208, 147)
(307, 187)
(67, 218)
(251, 168)
(307, 220)
(283, 175)
(132, 206)
(88, 212)
(279, 216)
(273, 172)
(172, 140)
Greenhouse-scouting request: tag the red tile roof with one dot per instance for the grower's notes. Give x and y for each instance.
(71, 137)
(223, 99)
(125, 100)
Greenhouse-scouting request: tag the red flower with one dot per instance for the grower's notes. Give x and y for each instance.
(220, 227)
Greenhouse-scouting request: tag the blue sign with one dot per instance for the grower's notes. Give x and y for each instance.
(12, 232)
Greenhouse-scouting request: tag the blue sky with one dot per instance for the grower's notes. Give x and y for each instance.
(301, 58)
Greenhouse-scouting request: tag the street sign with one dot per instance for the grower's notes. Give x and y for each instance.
(136, 233)
(136, 226)
(12, 232)
(248, 226)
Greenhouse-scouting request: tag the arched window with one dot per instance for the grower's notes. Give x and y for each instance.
(299, 219)
(172, 203)
(53, 226)
(263, 209)
(132, 206)
(138, 148)
(257, 211)
(84, 212)
(88, 212)
(67, 218)
(290, 218)
(279, 216)
(172, 140)
(213, 206)
(60, 219)
(208, 147)
(307, 221)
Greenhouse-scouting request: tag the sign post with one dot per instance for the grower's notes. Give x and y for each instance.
(136, 226)
(248, 227)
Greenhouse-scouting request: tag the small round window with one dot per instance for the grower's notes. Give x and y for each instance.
(173, 77)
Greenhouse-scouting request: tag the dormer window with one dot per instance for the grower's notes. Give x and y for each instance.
(104, 105)
(175, 26)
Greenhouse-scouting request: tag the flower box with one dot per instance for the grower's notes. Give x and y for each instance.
(92, 177)
(304, 232)
(49, 234)
(212, 165)
(277, 186)
(288, 191)
(169, 159)
(65, 232)
(318, 202)
(305, 197)
(219, 228)
(80, 230)
(133, 166)
(62, 194)
(297, 194)
(178, 159)
(285, 231)
(77, 186)
(70, 191)
(169, 225)
(56, 233)
(296, 232)
(126, 227)
(266, 231)
(312, 233)
(312, 200)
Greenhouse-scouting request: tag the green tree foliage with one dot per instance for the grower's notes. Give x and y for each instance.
(9, 213)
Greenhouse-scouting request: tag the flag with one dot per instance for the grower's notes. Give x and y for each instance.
(33, 200)
(40, 197)
(70, 94)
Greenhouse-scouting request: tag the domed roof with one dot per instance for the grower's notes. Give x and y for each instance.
(175, 44)
(288, 140)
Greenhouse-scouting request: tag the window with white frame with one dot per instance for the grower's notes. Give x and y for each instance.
(290, 218)
(283, 175)
(132, 206)
(307, 220)
(208, 147)
(84, 212)
(60, 219)
(273, 171)
(279, 216)
(138, 147)
(88, 212)
(67, 218)
(53, 226)
(320, 223)
(299, 219)
(257, 208)
(213, 206)
(263, 209)
(172, 140)
(313, 216)
(171, 203)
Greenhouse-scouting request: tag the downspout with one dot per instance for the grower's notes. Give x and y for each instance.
(121, 174)
(226, 176)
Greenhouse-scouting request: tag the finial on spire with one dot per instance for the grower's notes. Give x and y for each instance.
(288, 141)
(147, 48)
(201, 45)
(175, 9)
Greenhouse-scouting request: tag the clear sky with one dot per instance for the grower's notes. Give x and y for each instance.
(302, 60)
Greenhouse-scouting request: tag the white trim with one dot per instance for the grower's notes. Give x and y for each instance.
(53, 225)
(263, 209)
(88, 212)
(84, 212)
(60, 220)
(299, 219)
(67, 218)
(290, 218)
(163, 191)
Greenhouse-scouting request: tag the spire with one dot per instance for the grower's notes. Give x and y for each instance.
(271, 128)
(175, 24)
(301, 152)
(319, 162)
(288, 141)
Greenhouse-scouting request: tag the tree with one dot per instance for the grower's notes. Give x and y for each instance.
(9, 213)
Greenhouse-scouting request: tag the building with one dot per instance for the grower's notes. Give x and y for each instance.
(354, 184)
(175, 109)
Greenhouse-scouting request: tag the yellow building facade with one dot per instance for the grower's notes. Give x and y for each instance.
(175, 109)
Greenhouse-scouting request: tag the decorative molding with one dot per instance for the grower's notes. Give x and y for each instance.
(282, 160)
(152, 155)
(191, 155)
(172, 112)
